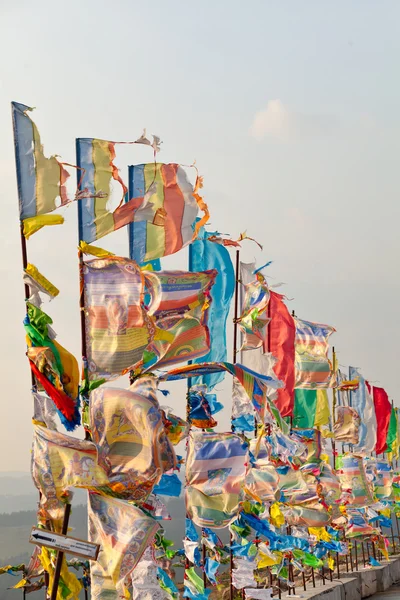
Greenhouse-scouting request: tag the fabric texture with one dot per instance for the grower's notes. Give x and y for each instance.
(311, 409)
(347, 425)
(356, 489)
(144, 580)
(128, 430)
(118, 330)
(95, 158)
(281, 332)
(313, 369)
(253, 320)
(362, 402)
(180, 303)
(123, 532)
(383, 411)
(166, 209)
(215, 471)
(40, 179)
(204, 256)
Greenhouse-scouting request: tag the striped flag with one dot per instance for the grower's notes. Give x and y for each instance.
(313, 369)
(41, 180)
(96, 159)
(167, 207)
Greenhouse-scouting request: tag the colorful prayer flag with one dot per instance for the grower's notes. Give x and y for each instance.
(215, 471)
(281, 336)
(96, 160)
(355, 485)
(362, 402)
(254, 318)
(55, 369)
(128, 430)
(383, 411)
(313, 368)
(123, 334)
(166, 207)
(123, 532)
(118, 329)
(392, 431)
(204, 256)
(311, 409)
(41, 180)
(60, 462)
(346, 425)
(180, 307)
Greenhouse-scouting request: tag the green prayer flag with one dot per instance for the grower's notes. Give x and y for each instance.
(392, 431)
(305, 406)
(195, 579)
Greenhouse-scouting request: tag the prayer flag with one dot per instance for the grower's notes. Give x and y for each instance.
(123, 532)
(96, 160)
(128, 430)
(311, 408)
(215, 472)
(166, 207)
(180, 307)
(41, 180)
(355, 485)
(254, 318)
(313, 369)
(204, 256)
(124, 334)
(60, 462)
(392, 431)
(118, 329)
(281, 336)
(383, 411)
(144, 579)
(254, 384)
(347, 425)
(362, 402)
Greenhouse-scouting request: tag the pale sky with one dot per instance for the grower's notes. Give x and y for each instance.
(291, 110)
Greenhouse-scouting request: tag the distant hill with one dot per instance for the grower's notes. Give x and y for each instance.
(18, 493)
(15, 548)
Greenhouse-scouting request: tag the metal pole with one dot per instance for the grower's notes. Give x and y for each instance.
(60, 555)
(235, 332)
(337, 565)
(363, 553)
(313, 576)
(355, 554)
(24, 588)
(333, 407)
(304, 581)
(373, 550)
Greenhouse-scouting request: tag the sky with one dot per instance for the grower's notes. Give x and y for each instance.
(290, 110)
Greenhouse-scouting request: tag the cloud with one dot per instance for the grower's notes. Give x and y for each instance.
(278, 122)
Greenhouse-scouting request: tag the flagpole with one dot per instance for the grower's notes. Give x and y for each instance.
(333, 407)
(24, 252)
(235, 332)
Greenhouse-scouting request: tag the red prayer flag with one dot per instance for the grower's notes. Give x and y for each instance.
(383, 410)
(281, 338)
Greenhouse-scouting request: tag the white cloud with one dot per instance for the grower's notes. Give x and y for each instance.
(277, 121)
